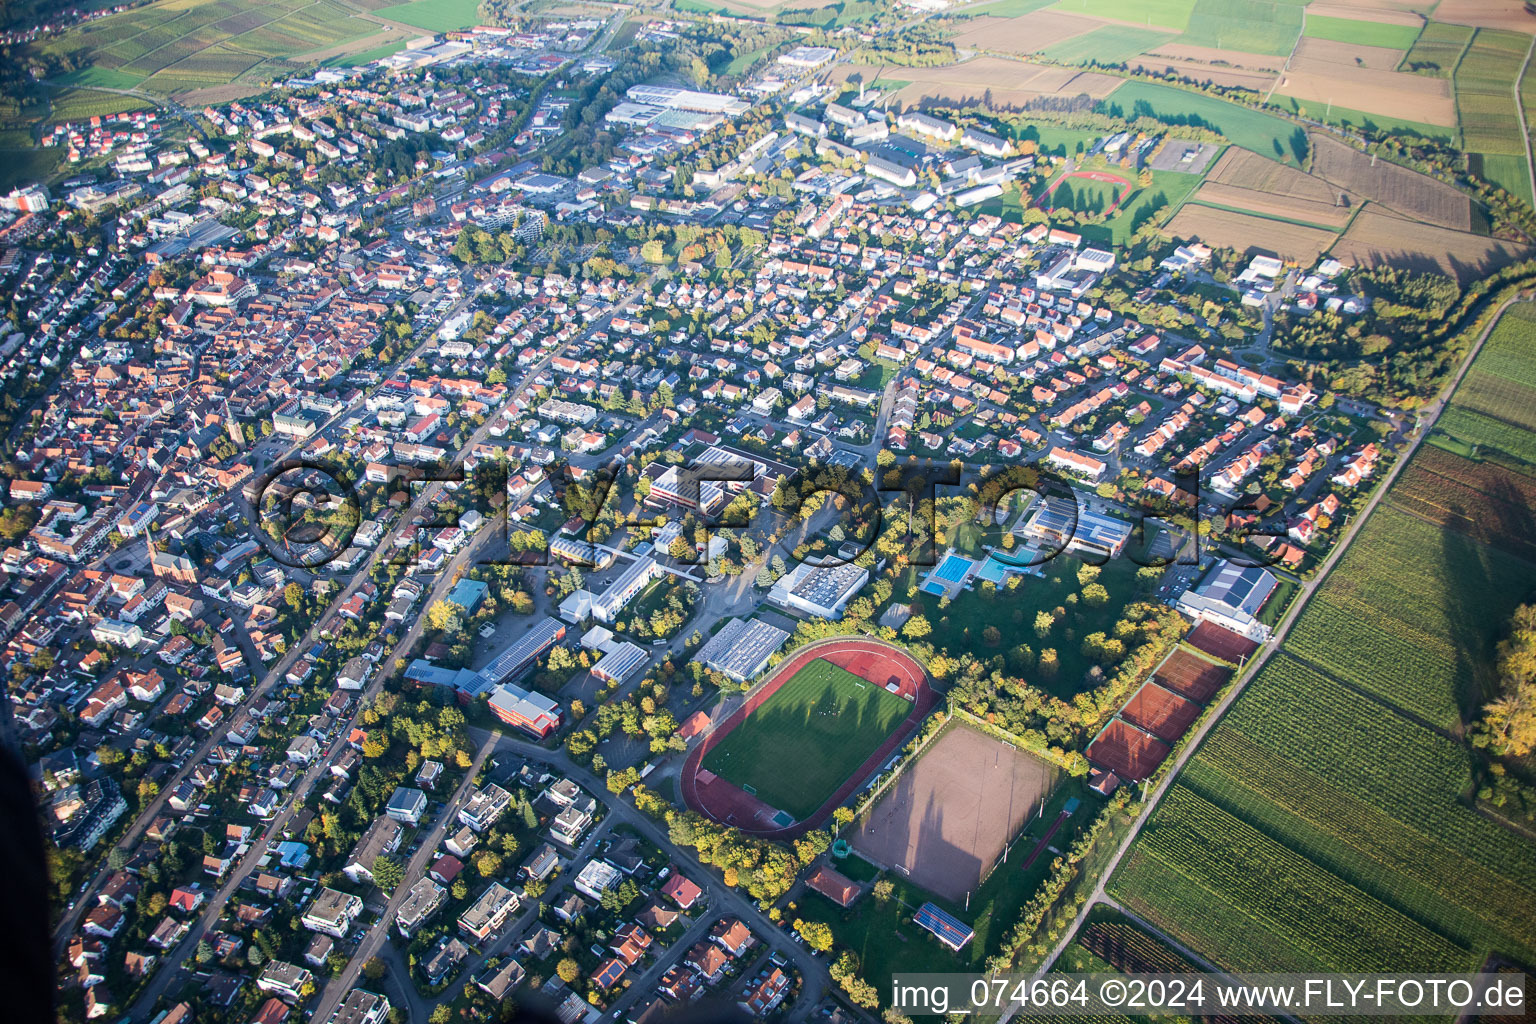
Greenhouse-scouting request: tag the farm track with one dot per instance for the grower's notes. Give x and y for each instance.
(1251, 670)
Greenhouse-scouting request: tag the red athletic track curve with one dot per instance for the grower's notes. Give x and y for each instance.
(873, 660)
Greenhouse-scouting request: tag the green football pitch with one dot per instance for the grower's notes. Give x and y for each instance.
(806, 739)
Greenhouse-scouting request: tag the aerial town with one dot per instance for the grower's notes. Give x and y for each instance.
(533, 519)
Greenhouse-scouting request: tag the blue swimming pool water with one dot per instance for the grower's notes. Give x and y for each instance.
(936, 589)
(953, 568)
(992, 571)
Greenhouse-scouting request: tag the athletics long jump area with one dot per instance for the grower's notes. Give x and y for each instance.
(945, 821)
(876, 662)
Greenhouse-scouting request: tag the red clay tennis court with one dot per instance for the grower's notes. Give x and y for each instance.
(1191, 676)
(1127, 751)
(1161, 712)
(1223, 643)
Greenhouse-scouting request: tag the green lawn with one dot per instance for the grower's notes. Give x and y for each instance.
(808, 738)
(434, 15)
(1362, 33)
(1262, 133)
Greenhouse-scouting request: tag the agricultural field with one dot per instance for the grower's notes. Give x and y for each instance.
(177, 45)
(1265, 204)
(1402, 617)
(1218, 884)
(1230, 229)
(1398, 188)
(1464, 431)
(1375, 239)
(1488, 503)
(1251, 129)
(1029, 33)
(1437, 50)
(1362, 33)
(1170, 14)
(1340, 778)
(1486, 107)
(81, 104)
(1365, 83)
(1006, 82)
(808, 737)
(1107, 45)
(1249, 26)
(1241, 78)
(434, 15)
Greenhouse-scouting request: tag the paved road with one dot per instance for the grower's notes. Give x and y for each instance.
(815, 980)
(1432, 413)
(338, 986)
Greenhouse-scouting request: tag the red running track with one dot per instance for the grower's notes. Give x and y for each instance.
(872, 660)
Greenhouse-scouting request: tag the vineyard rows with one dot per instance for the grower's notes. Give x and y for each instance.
(1403, 611)
(1414, 871)
(1314, 909)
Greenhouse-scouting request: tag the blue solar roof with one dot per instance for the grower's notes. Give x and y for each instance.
(949, 929)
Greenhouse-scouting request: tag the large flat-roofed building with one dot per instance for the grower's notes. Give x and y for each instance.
(819, 591)
(529, 710)
(620, 662)
(742, 648)
(526, 709)
(1057, 524)
(523, 652)
(1231, 595)
(581, 552)
(607, 605)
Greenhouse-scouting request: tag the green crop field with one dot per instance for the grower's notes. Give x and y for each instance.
(1262, 133)
(1437, 49)
(1172, 14)
(808, 737)
(1250, 26)
(1340, 778)
(1362, 33)
(435, 15)
(1108, 45)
